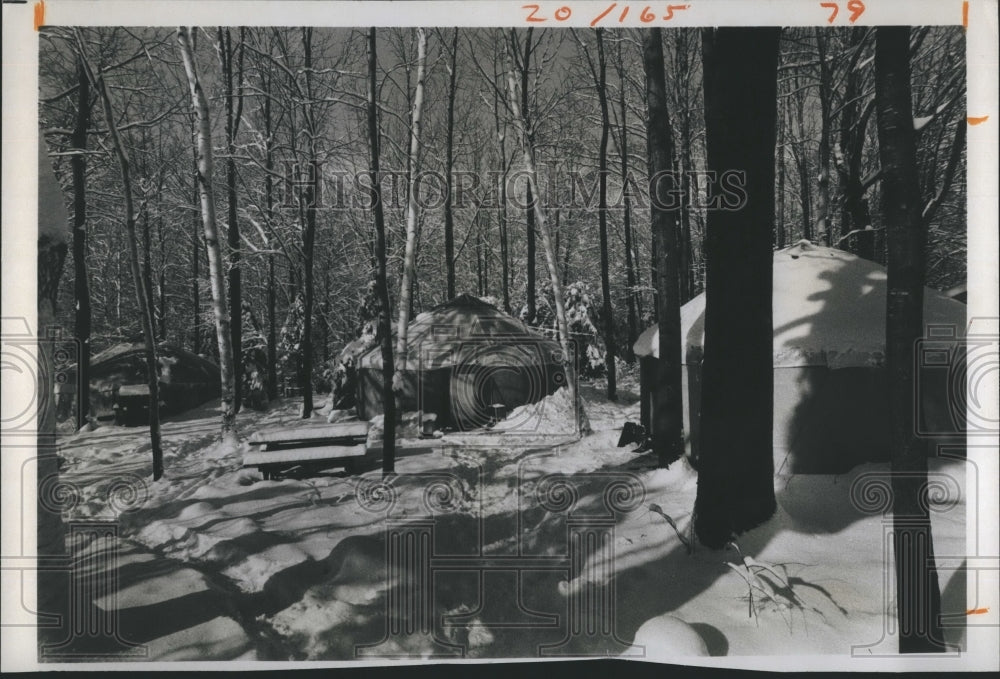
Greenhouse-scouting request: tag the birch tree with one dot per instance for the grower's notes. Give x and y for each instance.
(412, 208)
(207, 196)
(528, 157)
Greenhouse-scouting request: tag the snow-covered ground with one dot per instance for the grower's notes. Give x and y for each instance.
(489, 546)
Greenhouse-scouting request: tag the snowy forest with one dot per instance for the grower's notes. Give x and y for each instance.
(288, 212)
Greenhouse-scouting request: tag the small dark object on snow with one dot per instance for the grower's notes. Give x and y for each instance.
(633, 433)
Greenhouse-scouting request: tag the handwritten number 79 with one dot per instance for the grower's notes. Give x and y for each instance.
(855, 7)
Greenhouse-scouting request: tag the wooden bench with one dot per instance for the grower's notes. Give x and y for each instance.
(322, 446)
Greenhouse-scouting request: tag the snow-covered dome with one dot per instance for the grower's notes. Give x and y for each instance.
(828, 307)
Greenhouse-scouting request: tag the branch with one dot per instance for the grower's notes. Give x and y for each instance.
(949, 173)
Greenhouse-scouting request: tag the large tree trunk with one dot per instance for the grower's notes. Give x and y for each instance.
(309, 233)
(528, 155)
(779, 211)
(667, 413)
(449, 219)
(610, 350)
(211, 236)
(234, 109)
(410, 252)
(381, 278)
(81, 287)
(736, 467)
(918, 597)
(141, 291)
(50, 532)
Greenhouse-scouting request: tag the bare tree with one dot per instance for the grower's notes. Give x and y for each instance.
(736, 465)
(918, 596)
(599, 73)
(215, 267)
(412, 208)
(449, 218)
(528, 157)
(234, 114)
(310, 197)
(381, 278)
(50, 531)
(142, 294)
(81, 286)
(667, 412)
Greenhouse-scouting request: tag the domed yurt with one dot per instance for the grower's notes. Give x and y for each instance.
(118, 383)
(830, 389)
(467, 363)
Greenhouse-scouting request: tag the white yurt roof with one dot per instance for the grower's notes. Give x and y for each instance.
(828, 307)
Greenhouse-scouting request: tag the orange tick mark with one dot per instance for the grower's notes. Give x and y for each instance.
(39, 14)
(976, 121)
(965, 14)
(977, 611)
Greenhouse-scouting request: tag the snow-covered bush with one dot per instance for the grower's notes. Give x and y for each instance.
(582, 317)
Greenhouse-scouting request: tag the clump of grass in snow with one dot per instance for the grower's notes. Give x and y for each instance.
(750, 572)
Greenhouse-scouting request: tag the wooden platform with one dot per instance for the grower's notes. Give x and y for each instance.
(259, 457)
(322, 445)
(340, 431)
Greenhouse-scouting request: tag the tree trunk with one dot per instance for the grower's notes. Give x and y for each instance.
(528, 153)
(449, 220)
(667, 413)
(736, 467)
(853, 123)
(215, 267)
(234, 108)
(918, 596)
(309, 233)
(50, 532)
(529, 216)
(147, 267)
(802, 163)
(81, 287)
(610, 350)
(141, 291)
(779, 212)
(410, 252)
(502, 214)
(630, 278)
(381, 277)
(824, 224)
(195, 259)
(272, 321)
(161, 284)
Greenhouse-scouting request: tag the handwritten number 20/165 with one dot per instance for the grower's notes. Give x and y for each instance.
(563, 13)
